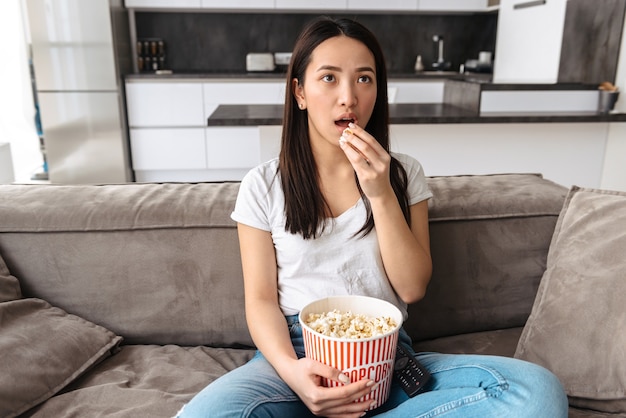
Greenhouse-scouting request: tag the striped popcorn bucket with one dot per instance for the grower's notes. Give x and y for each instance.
(368, 358)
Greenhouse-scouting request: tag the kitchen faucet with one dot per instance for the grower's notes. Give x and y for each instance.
(440, 64)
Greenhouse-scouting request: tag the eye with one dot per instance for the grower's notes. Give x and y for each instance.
(364, 79)
(329, 78)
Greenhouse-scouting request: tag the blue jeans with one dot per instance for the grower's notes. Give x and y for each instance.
(467, 386)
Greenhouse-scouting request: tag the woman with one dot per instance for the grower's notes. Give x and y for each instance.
(337, 213)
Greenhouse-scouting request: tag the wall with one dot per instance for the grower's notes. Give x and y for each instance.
(6, 164)
(198, 42)
(614, 169)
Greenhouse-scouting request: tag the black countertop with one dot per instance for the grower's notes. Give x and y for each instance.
(409, 113)
(482, 79)
(280, 75)
(464, 109)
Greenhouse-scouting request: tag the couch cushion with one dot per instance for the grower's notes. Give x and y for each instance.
(489, 240)
(500, 342)
(577, 325)
(156, 263)
(143, 381)
(496, 196)
(43, 349)
(587, 413)
(9, 286)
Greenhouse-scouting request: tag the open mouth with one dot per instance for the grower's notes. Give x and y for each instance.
(343, 122)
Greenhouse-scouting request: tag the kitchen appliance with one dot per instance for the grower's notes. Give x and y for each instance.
(260, 61)
(484, 63)
(282, 58)
(80, 51)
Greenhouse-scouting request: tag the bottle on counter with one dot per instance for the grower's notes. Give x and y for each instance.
(150, 55)
(419, 65)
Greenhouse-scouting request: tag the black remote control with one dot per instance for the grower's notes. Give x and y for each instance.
(410, 373)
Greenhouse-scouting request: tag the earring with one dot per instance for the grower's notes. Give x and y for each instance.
(301, 105)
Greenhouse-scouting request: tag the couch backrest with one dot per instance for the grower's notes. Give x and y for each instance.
(490, 236)
(160, 263)
(155, 263)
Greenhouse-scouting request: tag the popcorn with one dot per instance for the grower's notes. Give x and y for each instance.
(357, 335)
(349, 325)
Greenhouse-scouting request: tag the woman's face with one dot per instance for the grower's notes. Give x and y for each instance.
(339, 88)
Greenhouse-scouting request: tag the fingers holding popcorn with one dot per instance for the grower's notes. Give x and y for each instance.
(362, 148)
(347, 144)
(368, 158)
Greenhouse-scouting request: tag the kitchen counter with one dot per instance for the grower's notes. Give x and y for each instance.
(280, 75)
(410, 113)
(481, 80)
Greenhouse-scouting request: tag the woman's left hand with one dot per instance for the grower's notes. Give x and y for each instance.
(368, 158)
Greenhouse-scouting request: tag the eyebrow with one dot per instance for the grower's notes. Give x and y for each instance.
(334, 68)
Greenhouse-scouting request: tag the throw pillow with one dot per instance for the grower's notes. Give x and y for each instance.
(43, 349)
(576, 327)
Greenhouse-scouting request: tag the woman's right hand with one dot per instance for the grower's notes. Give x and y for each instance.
(304, 376)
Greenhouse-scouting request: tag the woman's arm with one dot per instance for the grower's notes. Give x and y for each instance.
(268, 329)
(266, 322)
(405, 249)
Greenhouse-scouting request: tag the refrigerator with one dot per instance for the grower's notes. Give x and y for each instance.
(80, 52)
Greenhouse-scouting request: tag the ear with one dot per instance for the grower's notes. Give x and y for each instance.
(298, 92)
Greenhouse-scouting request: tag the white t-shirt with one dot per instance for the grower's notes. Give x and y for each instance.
(335, 263)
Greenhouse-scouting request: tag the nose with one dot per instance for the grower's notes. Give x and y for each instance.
(347, 95)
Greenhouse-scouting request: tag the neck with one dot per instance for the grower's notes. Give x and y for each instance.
(332, 162)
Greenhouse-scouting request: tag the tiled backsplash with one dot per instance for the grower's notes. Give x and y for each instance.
(207, 42)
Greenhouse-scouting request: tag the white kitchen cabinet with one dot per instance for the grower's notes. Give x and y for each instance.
(528, 42)
(233, 147)
(270, 138)
(238, 4)
(312, 5)
(454, 5)
(242, 92)
(164, 104)
(566, 153)
(319, 5)
(400, 5)
(168, 149)
(169, 137)
(154, 104)
(237, 147)
(170, 140)
(163, 4)
(430, 91)
(538, 101)
(245, 92)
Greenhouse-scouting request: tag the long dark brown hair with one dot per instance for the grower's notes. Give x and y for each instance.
(306, 210)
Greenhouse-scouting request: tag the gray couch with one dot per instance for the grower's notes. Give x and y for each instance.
(126, 300)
